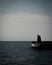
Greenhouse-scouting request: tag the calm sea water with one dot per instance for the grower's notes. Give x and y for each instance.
(21, 53)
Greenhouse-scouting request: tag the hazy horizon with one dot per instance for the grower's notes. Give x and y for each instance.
(22, 20)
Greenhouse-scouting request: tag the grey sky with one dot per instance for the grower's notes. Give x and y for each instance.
(24, 19)
(43, 7)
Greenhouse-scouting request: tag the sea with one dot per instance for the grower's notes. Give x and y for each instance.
(21, 53)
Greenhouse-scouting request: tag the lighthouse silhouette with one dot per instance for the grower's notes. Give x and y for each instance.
(38, 38)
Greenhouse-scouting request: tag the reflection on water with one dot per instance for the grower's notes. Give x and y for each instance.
(21, 53)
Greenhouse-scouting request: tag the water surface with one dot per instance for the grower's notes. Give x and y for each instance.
(21, 53)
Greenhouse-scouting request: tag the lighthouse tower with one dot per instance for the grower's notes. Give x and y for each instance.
(38, 42)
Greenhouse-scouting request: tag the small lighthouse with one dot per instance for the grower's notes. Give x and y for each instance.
(37, 43)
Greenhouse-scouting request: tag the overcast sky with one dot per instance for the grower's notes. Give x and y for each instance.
(22, 20)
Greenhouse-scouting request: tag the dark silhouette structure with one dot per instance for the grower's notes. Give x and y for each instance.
(41, 44)
(38, 38)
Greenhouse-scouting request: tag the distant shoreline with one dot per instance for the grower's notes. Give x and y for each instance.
(43, 41)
